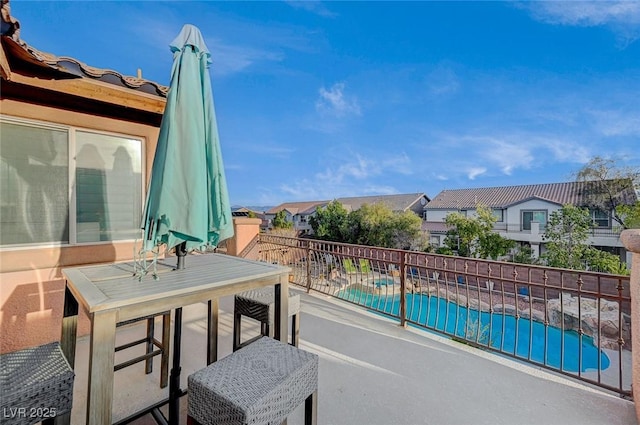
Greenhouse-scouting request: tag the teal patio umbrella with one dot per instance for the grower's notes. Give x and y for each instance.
(187, 202)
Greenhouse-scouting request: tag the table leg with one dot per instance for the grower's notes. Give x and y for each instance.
(68, 339)
(174, 378)
(282, 309)
(101, 359)
(212, 329)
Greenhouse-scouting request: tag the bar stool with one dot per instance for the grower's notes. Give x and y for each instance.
(36, 384)
(260, 384)
(259, 304)
(151, 343)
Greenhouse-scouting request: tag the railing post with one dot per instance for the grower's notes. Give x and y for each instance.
(403, 291)
(308, 267)
(631, 240)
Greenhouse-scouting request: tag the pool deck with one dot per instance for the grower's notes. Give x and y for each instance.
(372, 371)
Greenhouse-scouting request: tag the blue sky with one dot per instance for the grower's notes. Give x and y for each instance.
(320, 100)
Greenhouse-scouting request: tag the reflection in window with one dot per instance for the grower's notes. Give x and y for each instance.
(108, 178)
(34, 185)
(600, 218)
(498, 214)
(531, 216)
(35, 179)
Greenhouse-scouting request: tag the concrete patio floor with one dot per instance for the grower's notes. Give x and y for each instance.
(372, 372)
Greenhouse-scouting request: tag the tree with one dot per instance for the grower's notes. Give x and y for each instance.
(280, 221)
(371, 224)
(405, 231)
(524, 255)
(566, 235)
(474, 236)
(328, 223)
(608, 187)
(606, 262)
(630, 214)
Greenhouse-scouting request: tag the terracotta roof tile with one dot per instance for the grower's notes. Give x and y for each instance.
(67, 65)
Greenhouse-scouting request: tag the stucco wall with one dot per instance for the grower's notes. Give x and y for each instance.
(245, 229)
(31, 289)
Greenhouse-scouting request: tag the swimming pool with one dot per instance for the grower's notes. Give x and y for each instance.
(379, 283)
(521, 337)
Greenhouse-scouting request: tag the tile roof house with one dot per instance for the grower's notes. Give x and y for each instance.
(522, 211)
(299, 212)
(400, 202)
(76, 147)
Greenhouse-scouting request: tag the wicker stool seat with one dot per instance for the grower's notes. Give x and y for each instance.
(36, 384)
(261, 383)
(153, 346)
(259, 304)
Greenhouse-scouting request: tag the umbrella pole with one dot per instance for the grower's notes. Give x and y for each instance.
(174, 381)
(181, 252)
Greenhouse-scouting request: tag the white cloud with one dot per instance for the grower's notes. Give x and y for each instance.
(350, 175)
(443, 81)
(400, 164)
(335, 102)
(300, 190)
(616, 122)
(564, 150)
(271, 150)
(474, 172)
(504, 153)
(358, 168)
(229, 59)
(317, 7)
(622, 17)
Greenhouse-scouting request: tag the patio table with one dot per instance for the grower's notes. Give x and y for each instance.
(111, 293)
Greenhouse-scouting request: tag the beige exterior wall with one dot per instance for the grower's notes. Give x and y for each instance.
(245, 229)
(631, 240)
(31, 286)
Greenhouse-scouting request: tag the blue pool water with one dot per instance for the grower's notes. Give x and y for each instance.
(383, 282)
(522, 337)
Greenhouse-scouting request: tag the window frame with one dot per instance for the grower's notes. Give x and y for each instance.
(71, 131)
(498, 213)
(542, 225)
(594, 219)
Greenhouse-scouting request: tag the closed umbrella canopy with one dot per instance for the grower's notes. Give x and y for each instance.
(187, 200)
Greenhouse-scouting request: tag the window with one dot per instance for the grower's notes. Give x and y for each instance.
(531, 216)
(34, 183)
(499, 215)
(40, 182)
(108, 187)
(600, 218)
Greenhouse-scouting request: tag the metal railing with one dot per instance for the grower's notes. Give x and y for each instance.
(572, 322)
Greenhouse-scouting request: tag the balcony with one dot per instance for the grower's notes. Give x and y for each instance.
(373, 371)
(386, 362)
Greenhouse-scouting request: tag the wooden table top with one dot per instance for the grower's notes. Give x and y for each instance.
(114, 286)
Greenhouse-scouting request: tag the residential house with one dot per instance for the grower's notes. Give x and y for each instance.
(399, 203)
(522, 212)
(297, 213)
(76, 147)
